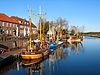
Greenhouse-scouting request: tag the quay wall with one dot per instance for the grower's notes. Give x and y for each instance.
(14, 43)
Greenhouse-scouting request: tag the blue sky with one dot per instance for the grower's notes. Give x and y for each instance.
(77, 12)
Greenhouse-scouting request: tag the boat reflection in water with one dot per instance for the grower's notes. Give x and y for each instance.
(76, 46)
(64, 51)
(54, 65)
(34, 66)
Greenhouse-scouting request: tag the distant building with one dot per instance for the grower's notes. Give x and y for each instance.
(15, 25)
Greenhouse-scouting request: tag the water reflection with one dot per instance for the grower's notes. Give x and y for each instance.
(36, 69)
(6, 69)
(61, 54)
(39, 67)
(51, 63)
(34, 66)
(74, 47)
(18, 65)
(64, 51)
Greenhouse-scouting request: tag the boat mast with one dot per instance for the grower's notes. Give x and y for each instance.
(36, 23)
(52, 30)
(40, 15)
(57, 33)
(44, 25)
(49, 31)
(30, 22)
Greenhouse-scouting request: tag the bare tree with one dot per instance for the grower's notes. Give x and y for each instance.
(81, 29)
(63, 24)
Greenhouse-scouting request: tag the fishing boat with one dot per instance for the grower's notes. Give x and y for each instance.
(73, 39)
(52, 33)
(52, 45)
(34, 52)
(30, 62)
(27, 55)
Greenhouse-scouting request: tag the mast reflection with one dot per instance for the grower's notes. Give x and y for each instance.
(75, 47)
(34, 66)
(52, 59)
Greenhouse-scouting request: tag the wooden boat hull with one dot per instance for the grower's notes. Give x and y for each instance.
(29, 57)
(34, 55)
(73, 40)
(30, 62)
(76, 40)
(45, 53)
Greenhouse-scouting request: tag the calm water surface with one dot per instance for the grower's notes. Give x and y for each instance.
(75, 59)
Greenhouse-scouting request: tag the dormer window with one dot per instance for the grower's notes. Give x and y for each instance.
(25, 22)
(20, 21)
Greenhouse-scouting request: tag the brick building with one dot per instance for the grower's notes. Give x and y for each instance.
(15, 25)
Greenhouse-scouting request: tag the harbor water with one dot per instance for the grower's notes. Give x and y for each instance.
(68, 59)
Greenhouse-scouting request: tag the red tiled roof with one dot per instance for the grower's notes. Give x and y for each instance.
(4, 17)
(19, 19)
(23, 21)
(14, 19)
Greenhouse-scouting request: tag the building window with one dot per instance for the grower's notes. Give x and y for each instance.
(7, 24)
(0, 23)
(10, 24)
(3, 23)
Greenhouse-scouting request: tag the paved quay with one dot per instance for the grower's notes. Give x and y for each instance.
(13, 53)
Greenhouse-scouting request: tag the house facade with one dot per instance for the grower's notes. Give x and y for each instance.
(15, 26)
